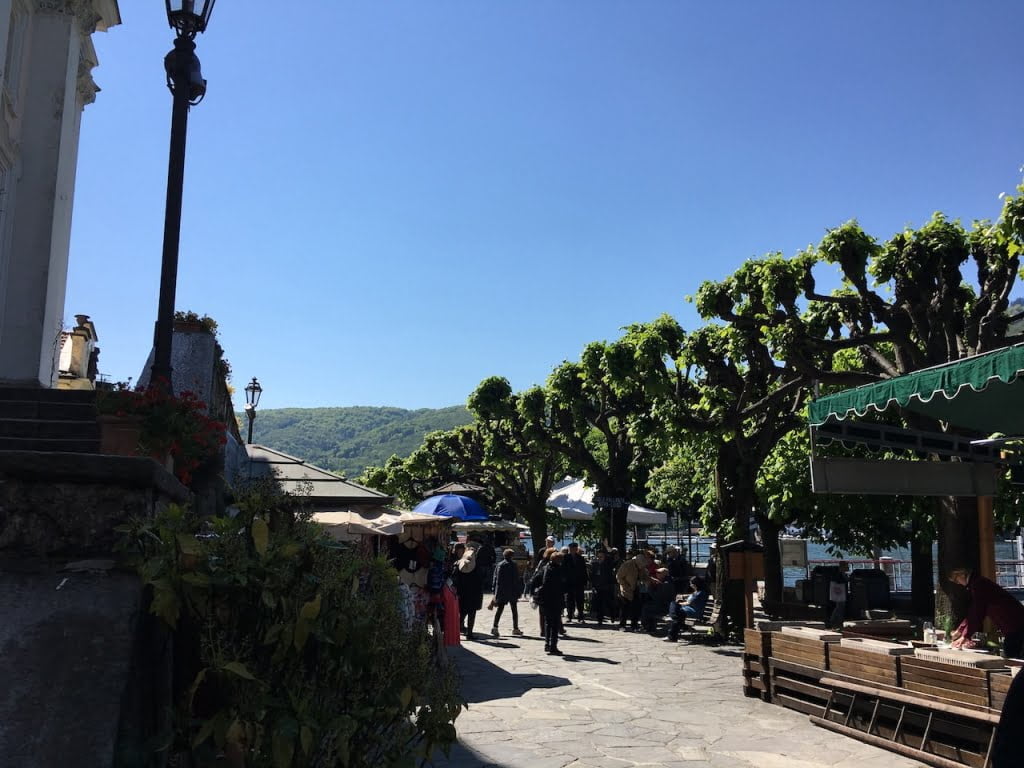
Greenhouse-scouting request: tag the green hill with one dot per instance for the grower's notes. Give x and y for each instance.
(350, 439)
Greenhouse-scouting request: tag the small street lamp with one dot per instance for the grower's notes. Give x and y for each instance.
(253, 390)
(185, 81)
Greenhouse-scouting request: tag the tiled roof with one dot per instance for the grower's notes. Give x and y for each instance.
(319, 485)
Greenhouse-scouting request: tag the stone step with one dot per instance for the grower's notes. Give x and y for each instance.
(33, 409)
(50, 445)
(41, 395)
(50, 429)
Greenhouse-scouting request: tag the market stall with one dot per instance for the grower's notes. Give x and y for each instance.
(919, 698)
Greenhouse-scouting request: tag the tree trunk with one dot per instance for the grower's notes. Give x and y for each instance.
(734, 488)
(538, 530)
(773, 580)
(958, 548)
(922, 585)
(619, 525)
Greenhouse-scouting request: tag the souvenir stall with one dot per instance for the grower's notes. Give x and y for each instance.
(498, 535)
(412, 542)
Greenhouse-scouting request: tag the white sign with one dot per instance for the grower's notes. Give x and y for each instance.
(794, 552)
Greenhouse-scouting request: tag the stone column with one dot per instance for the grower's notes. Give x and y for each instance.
(57, 84)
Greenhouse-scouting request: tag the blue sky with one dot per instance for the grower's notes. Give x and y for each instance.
(387, 201)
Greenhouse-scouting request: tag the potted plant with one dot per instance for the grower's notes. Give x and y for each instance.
(190, 322)
(174, 430)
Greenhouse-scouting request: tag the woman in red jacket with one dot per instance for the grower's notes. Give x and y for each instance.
(989, 600)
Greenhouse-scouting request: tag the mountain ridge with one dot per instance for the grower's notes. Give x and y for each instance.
(347, 439)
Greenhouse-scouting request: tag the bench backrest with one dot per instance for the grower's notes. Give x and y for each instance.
(710, 614)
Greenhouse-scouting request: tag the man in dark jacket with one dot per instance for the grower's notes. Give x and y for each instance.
(506, 592)
(552, 601)
(575, 566)
(602, 578)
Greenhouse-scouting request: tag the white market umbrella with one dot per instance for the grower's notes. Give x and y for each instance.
(574, 500)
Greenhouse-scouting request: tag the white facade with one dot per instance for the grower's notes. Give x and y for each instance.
(46, 81)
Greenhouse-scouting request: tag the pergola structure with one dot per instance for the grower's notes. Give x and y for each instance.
(979, 399)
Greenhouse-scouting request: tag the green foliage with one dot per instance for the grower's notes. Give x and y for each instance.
(208, 323)
(294, 650)
(444, 457)
(351, 439)
(849, 523)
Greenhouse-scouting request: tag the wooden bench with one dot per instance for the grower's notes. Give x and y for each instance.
(694, 627)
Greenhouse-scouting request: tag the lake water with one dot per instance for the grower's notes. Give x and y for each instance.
(1005, 550)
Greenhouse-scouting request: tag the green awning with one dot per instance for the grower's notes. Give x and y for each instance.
(984, 393)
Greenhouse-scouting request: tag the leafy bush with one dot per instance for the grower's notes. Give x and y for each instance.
(292, 650)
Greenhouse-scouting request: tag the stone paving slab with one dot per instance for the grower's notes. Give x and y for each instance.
(625, 700)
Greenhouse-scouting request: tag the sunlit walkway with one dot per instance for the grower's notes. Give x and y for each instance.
(617, 700)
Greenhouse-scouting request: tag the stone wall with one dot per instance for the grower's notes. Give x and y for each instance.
(67, 504)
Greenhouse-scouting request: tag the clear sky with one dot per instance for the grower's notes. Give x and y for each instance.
(387, 201)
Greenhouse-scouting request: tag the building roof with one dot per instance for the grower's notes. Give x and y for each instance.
(322, 488)
(466, 489)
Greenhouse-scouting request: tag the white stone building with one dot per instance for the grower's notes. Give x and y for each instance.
(47, 57)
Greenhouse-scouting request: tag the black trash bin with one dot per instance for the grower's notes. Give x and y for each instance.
(821, 577)
(869, 589)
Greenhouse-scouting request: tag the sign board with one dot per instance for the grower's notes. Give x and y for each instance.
(902, 478)
(794, 552)
(746, 565)
(611, 502)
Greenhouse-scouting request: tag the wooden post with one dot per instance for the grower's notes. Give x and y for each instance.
(986, 538)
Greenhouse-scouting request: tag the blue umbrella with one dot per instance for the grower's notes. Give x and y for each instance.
(452, 505)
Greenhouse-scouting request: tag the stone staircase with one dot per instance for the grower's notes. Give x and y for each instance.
(51, 420)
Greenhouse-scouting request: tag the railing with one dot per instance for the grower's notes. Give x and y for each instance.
(1009, 573)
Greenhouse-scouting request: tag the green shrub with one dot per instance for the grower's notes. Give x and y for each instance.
(291, 649)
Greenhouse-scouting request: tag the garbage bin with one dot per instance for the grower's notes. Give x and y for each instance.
(821, 577)
(869, 589)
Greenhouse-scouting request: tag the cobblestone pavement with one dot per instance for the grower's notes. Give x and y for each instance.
(618, 699)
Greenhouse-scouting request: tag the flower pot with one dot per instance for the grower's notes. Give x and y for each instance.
(119, 435)
(190, 326)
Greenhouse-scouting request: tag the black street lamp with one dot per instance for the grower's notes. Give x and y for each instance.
(253, 390)
(186, 83)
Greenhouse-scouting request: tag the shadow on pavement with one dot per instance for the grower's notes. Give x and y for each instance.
(484, 681)
(494, 642)
(577, 657)
(727, 652)
(462, 757)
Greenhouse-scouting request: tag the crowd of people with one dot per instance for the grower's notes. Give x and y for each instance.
(635, 593)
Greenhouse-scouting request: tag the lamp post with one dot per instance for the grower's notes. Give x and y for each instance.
(185, 81)
(253, 390)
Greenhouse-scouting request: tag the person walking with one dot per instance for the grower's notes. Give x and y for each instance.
(470, 588)
(838, 589)
(631, 575)
(552, 601)
(533, 589)
(576, 583)
(602, 579)
(506, 592)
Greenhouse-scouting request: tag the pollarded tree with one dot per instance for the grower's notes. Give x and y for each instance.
(741, 401)
(906, 304)
(602, 413)
(517, 465)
